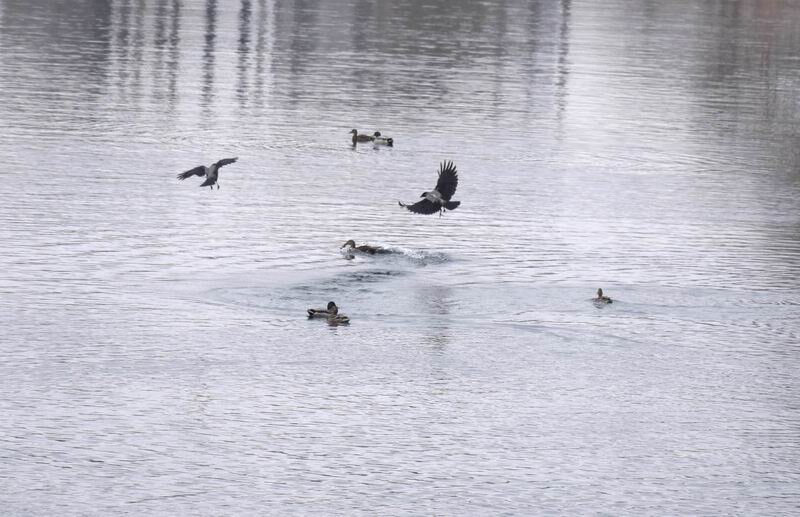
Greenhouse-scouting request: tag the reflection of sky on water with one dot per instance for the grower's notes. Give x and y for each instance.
(581, 83)
(647, 148)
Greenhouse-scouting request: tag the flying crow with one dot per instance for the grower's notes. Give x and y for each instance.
(438, 200)
(211, 173)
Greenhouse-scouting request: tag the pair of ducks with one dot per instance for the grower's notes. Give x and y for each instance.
(331, 313)
(376, 138)
(350, 246)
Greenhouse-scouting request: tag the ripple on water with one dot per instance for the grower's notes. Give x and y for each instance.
(156, 354)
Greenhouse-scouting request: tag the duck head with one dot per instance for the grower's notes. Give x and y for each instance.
(599, 293)
(353, 131)
(351, 243)
(376, 134)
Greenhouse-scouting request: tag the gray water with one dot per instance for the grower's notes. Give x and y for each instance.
(155, 356)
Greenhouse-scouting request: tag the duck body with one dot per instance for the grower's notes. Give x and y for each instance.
(350, 246)
(338, 319)
(377, 139)
(323, 313)
(360, 137)
(331, 314)
(601, 299)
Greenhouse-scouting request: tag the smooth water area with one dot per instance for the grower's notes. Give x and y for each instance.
(155, 357)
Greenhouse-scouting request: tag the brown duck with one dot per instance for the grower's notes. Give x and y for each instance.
(602, 299)
(360, 138)
(350, 246)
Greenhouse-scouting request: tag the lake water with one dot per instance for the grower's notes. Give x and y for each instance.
(155, 357)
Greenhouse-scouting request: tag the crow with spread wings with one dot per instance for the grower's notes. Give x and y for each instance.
(211, 173)
(438, 200)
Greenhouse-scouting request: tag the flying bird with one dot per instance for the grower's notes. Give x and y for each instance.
(438, 200)
(211, 173)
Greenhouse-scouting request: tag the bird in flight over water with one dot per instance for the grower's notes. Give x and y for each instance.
(438, 200)
(211, 173)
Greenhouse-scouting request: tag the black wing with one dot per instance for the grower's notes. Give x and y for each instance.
(448, 180)
(225, 161)
(422, 207)
(197, 171)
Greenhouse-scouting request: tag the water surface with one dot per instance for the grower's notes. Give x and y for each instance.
(155, 355)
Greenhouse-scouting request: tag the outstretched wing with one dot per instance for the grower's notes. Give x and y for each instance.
(225, 161)
(197, 171)
(448, 180)
(422, 207)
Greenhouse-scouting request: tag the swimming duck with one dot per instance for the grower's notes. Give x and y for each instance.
(337, 319)
(602, 299)
(331, 314)
(323, 313)
(364, 248)
(438, 199)
(360, 138)
(377, 139)
(211, 173)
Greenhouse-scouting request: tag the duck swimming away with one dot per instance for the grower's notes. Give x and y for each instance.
(350, 246)
(438, 199)
(602, 299)
(211, 173)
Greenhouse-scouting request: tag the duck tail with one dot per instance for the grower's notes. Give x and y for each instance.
(452, 205)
